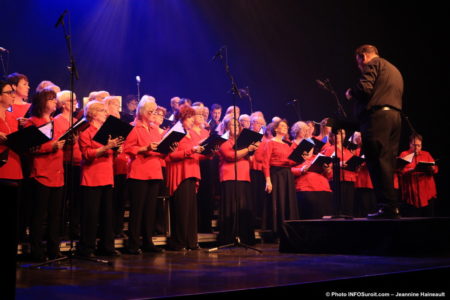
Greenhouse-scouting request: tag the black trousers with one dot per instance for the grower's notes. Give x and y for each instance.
(46, 207)
(184, 215)
(119, 200)
(259, 195)
(345, 204)
(365, 202)
(72, 199)
(143, 200)
(236, 198)
(205, 196)
(10, 191)
(380, 137)
(314, 205)
(96, 215)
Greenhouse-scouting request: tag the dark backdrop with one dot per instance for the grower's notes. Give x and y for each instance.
(277, 48)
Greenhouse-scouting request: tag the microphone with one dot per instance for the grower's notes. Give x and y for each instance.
(323, 84)
(218, 54)
(292, 102)
(244, 92)
(3, 50)
(138, 79)
(61, 18)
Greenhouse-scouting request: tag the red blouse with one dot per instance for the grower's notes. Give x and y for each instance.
(226, 164)
(418, 188)
(276, 154)
(12, 168)
(309, 181)
(19, 110)
(198, 137)
(47, 164)
(183, 163)
(95, 171)
(64, 123)
(257, 159)
(143, 166)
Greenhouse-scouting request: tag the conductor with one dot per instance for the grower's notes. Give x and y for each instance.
(378, 96)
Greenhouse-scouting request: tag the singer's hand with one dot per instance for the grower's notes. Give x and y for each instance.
(198, 149)
(57, 145)
(268, 187)
(173, 147)
(3, 138)
(348, 94)
(22, 121)
(152, 147)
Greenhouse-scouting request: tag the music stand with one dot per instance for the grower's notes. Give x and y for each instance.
(236, 93)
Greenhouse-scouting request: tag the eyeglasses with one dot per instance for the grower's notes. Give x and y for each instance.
(11, 92)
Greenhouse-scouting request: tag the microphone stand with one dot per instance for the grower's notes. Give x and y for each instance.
(236, 93)
(73, 75)
(4, 68)
(337, 169)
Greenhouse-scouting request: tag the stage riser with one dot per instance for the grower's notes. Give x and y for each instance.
(401, 237)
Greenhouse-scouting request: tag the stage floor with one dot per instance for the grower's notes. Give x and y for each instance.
(193, 273)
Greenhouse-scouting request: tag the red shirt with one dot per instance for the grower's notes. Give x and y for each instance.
(143, 166)
(199, 137)
(64, 123)
(19, 110)
(12, 168)
(47, 164)
(95, 171)
(226, 164)
(363, 178)
(276, 154)
(257, 159)
(183, 163)
(309, 181)
(345, 174)
(418, 188)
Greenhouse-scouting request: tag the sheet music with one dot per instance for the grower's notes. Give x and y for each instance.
(47, 129)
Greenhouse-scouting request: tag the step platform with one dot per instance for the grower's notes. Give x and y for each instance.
(397, 237)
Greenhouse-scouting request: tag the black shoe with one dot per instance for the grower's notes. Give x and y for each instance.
(56, 255)
(196, 247)
(133, 251)
(385, 213)
(109, 253)
(152, 249)
(38, 257)
(176, 248)
(85, 254)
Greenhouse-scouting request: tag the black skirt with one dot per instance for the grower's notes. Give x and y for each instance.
(284, 200)
(236, 197)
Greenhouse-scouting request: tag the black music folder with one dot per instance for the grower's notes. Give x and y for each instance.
(4, 157)
(31, 136)
(113, 127)
(353, 163)
(319, 161)
(405, 160)
(350, 145)
(211, 142)
(318, 145)
(79, 126)
(166, 124)
(174, 135)
(247, 137)
(423, 166)
(304, 146)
